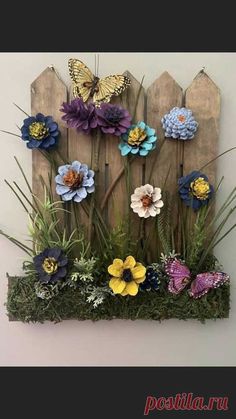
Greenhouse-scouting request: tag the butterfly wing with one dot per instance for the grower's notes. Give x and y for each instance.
(206, 281)
(110, 86)
(179, 275)
(80, 74)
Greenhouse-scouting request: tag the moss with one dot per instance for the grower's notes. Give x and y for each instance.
(23, 304)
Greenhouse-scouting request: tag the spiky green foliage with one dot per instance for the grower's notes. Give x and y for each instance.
(164, 224)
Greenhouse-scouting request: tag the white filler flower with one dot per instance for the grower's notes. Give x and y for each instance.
(146, 201)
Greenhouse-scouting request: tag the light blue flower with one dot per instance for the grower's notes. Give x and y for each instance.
(74, 181)
(139, 139)
(180, 124)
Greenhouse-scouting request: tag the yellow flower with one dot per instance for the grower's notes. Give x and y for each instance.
(126, 276)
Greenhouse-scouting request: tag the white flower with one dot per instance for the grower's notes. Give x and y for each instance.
(146, 201)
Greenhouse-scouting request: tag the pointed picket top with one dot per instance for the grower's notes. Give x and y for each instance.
(51, 78)
(204, 94)
(163, 94)
(203, 98)
(166, 81)
(48, 92)
(130, 95)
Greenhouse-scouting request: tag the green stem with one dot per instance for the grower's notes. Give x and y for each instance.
(22, 110)
(19, 199)
(95, 161)
(11, 133)
(154, 161)
(17, 243)
(75, 208)
(224, 235)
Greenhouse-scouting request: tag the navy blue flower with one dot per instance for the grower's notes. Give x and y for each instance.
(195, 190)
(51, 265)
(40, 131)
(152, 281)
(74, 181)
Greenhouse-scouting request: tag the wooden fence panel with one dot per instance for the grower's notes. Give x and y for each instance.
(162, 96)
(119, 201)
(203, 98)
(48, 92)
(79, 148)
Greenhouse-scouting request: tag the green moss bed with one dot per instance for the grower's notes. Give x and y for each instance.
(23, 305)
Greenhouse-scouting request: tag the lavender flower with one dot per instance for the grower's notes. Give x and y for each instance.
(74, 181)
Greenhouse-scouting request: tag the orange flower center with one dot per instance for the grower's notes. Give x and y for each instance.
(73, 179)
(146, 201)
(181, 118)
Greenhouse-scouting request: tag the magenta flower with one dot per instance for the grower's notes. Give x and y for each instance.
(79, 115)
(113, 119)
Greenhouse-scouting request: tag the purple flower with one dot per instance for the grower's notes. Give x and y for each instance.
(113, 119)
(51, 265)
(79, 115)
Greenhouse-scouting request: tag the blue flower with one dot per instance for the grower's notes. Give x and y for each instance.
(139, 139)
(74, 181)
(179, 123)
(195, 190)
(51, 265)
(152, 281)
(40, 131)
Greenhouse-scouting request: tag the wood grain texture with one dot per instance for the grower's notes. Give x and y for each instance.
(162, 96)
(203, 98)
(79, 148)
(48, 92)
(119, 200)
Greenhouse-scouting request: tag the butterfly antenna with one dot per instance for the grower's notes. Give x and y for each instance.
(97, 65)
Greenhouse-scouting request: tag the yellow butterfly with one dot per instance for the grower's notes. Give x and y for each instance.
(86, 85)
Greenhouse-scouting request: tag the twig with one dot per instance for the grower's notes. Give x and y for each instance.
(113, 184)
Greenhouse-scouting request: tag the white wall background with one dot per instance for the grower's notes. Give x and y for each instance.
(116, 342)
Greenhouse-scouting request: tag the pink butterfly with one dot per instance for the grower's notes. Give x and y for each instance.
(180, 276)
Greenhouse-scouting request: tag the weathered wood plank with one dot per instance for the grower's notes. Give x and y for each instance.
(203, 98)
(162, 96)
(48, 92)
(79, 148)
(119, 201)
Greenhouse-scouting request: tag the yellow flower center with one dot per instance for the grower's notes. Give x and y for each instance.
(200, 188)
(181, 118)
(73, 179)
(136, 136)
(38, 130)
(146, 201)
(50, 265)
